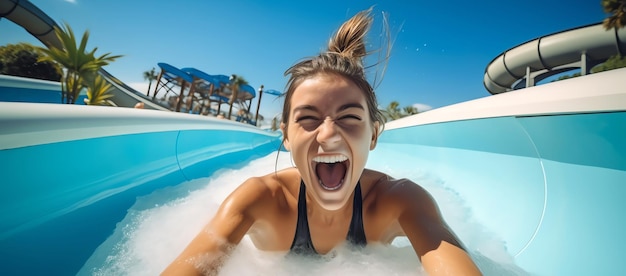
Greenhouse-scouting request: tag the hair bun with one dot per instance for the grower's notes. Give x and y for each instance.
(349, 40)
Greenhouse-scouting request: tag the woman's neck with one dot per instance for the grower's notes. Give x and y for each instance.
(317, 213)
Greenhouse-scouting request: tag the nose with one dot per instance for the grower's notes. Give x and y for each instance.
(327, 133)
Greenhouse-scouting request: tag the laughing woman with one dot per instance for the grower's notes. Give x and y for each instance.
(330, 123)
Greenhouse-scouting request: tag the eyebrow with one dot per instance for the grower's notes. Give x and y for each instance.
(341, 108)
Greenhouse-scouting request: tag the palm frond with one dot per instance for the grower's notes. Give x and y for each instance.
(616, 10)
(98, 92)
(81, 66)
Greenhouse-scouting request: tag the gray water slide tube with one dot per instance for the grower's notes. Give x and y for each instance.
(41, 26)
(532, 61)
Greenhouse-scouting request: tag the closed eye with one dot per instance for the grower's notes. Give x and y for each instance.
(306, 118)
(350, 117)
(349, 121)
(309, 123)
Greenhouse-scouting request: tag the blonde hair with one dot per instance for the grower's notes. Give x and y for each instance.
(344, 56)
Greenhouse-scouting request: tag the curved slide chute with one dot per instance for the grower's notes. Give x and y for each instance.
(543, 168)
(530, 62)
(97, 162)
(41, 26)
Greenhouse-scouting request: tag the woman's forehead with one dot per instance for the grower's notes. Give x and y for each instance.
(327, 89)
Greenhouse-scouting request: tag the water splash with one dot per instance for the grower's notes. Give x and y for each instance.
(159, 226)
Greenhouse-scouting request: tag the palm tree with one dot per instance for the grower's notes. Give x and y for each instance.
(617, 11)
(150, 76)
(98, 92)
(235, 82)
(80, 66)
(275, 123)
(392, 111)
(409, 110)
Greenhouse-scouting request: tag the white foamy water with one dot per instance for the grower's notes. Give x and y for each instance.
(159, 226)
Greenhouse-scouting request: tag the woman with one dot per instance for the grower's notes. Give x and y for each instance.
(330, 123)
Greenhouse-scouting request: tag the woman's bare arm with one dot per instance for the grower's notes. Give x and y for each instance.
(438, 248)
(207, 251)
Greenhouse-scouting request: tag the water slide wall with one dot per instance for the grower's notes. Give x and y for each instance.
(70, 173)
(532, 61)
(543, 168)
(41, 26)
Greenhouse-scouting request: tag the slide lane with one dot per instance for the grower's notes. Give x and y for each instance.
(70, 173)
(542, 168)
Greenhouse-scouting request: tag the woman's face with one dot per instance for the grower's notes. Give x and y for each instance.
(329, 134)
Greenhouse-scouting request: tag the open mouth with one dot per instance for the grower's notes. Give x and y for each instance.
(331, 171)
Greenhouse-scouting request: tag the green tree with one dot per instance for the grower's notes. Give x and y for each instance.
(21, 60)
(150, 76)
(409, 110)
(235, 82)
(98, 92)
(275, 124)
(614, 62)
(617, 13)
(394, 112)
(81, 67)
(564, 77)
(616, 19)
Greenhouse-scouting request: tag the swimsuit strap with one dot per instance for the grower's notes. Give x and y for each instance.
(356, 232)
(302, 243)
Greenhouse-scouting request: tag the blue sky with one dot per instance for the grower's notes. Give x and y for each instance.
(440, 51)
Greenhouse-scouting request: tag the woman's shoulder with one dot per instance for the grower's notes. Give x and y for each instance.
(385, 187)
(269, 186)
(278, 180)
(390, 197)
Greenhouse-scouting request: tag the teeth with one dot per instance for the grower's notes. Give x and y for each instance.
(330, 159)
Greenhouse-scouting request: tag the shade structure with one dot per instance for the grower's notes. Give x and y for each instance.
(172, 83)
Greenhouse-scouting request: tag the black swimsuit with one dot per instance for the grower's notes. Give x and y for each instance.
(302, 244)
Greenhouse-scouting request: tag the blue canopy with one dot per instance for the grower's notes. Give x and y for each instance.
(201, 75)
(248, 89)
(172, 72)
(273, 92)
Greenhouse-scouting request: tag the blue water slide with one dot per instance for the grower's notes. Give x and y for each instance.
(543, 168)
(530, 62)
(70, 173)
